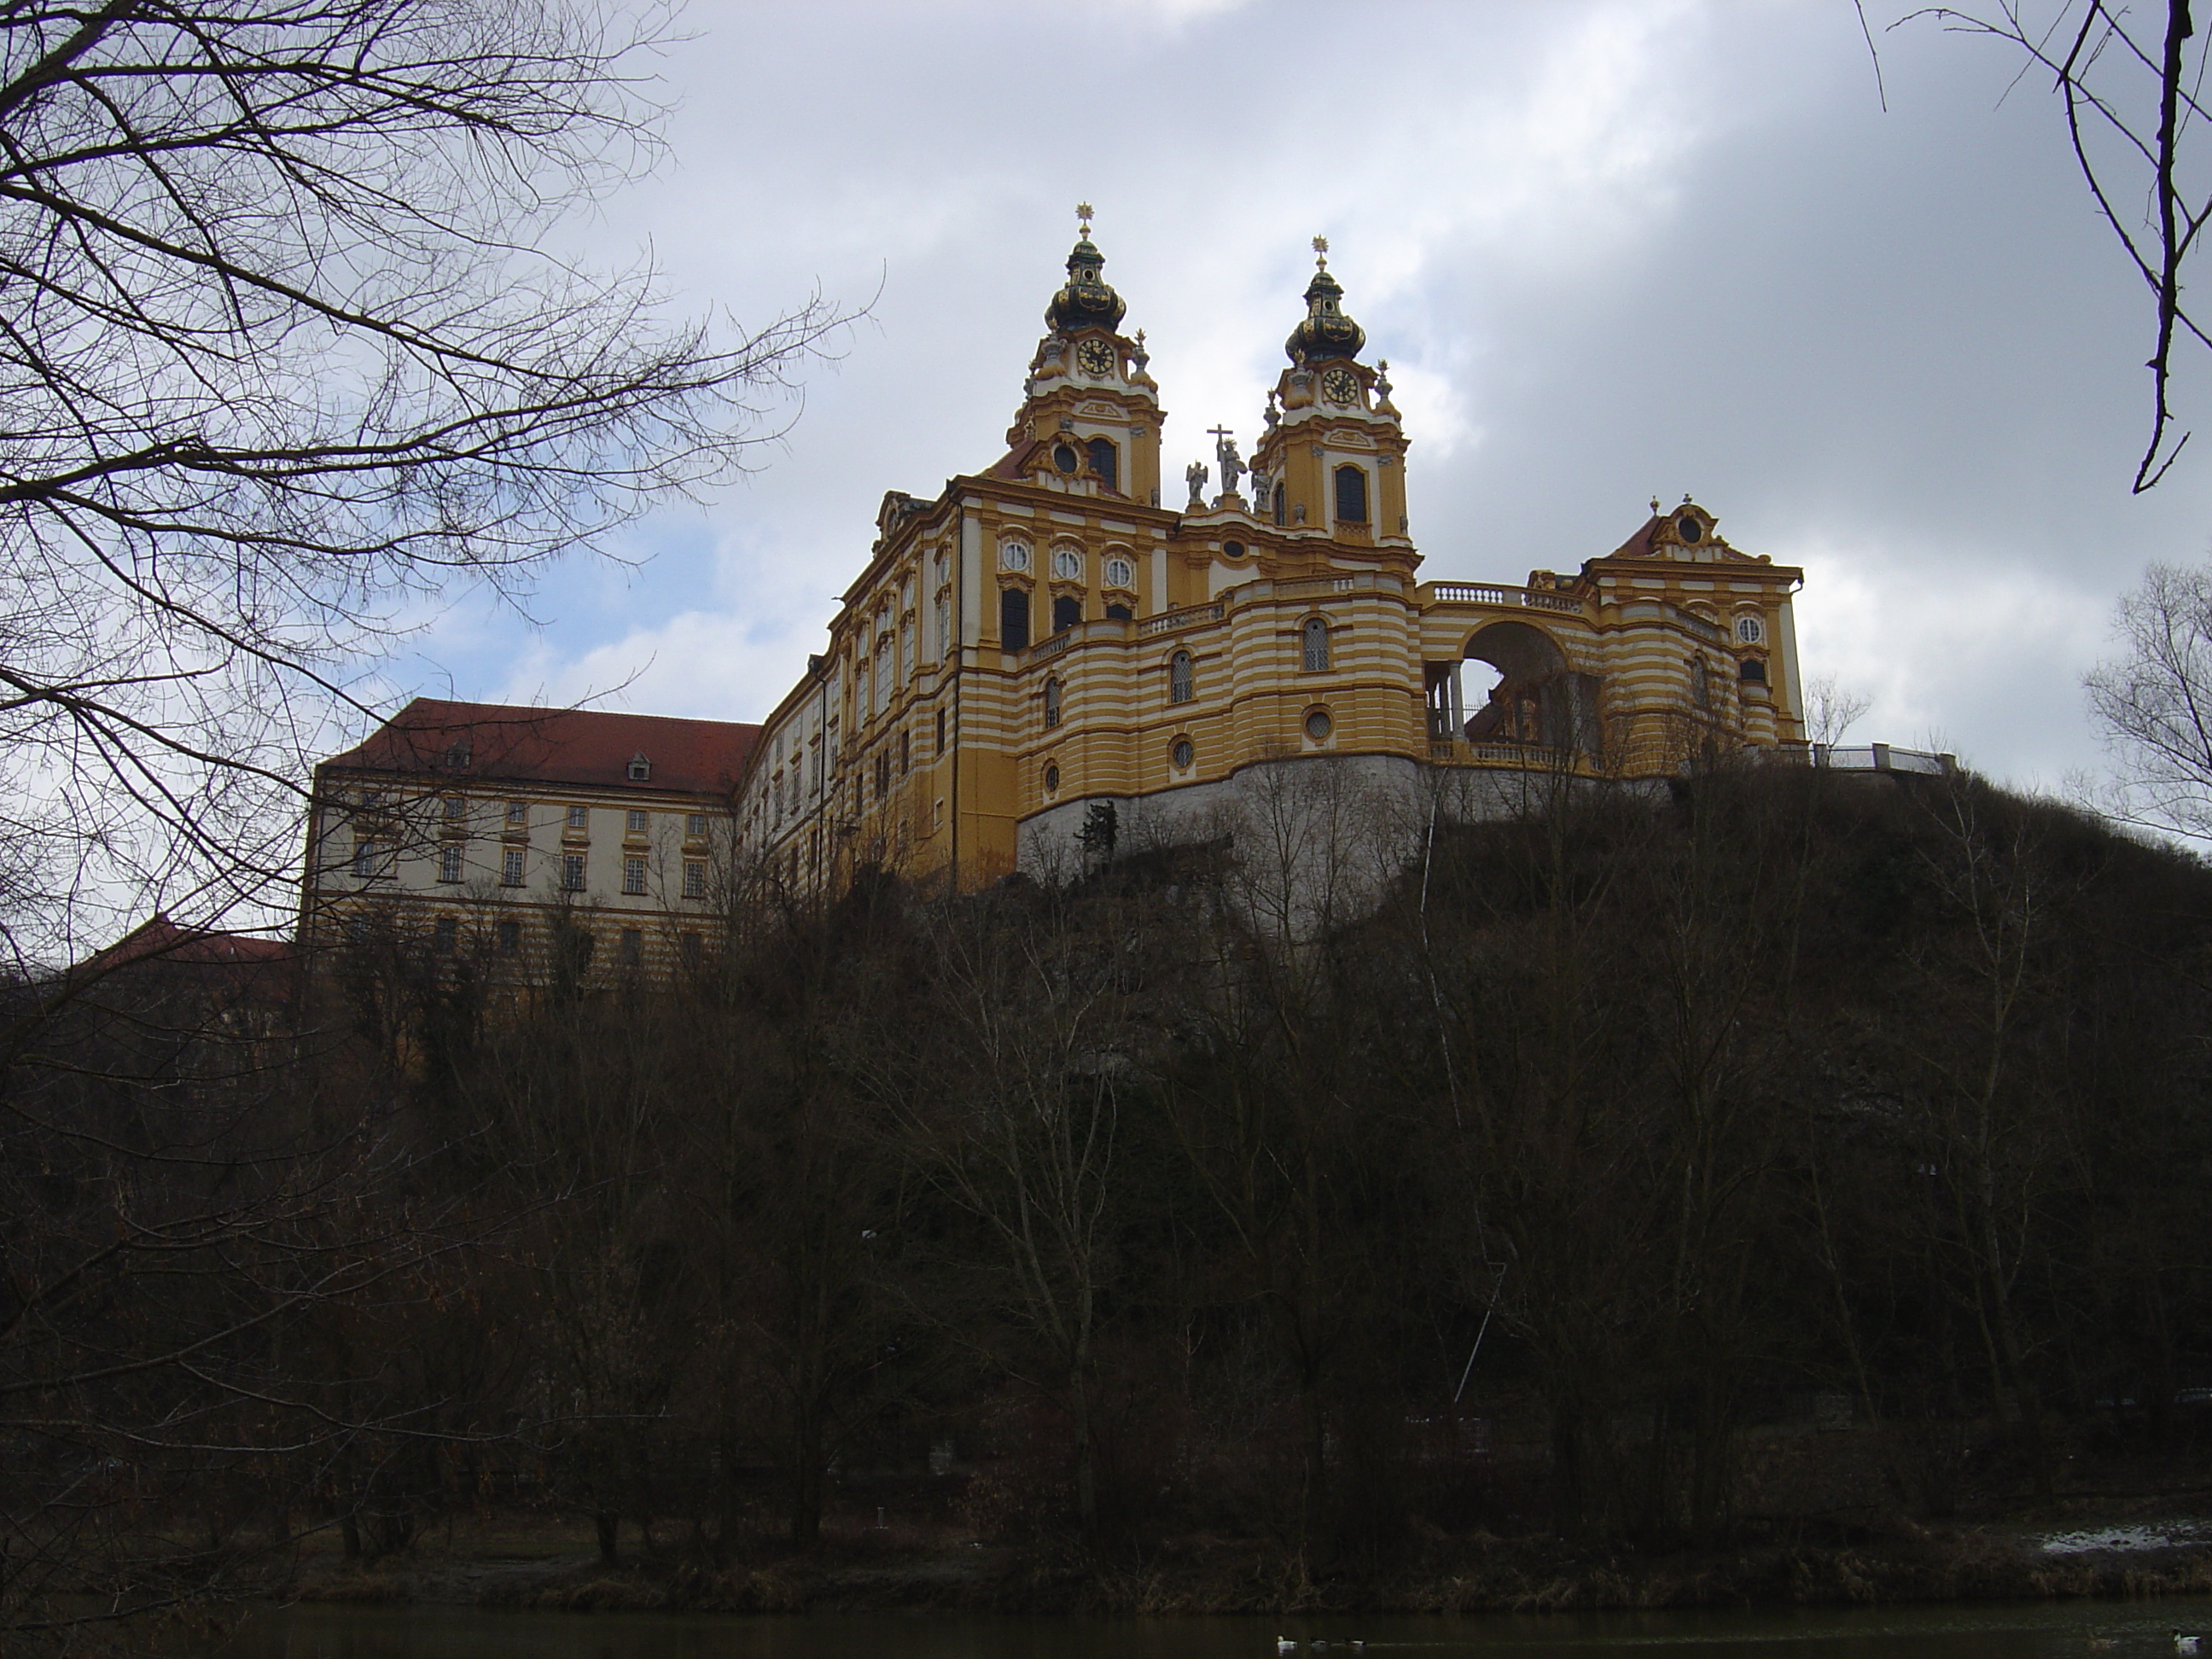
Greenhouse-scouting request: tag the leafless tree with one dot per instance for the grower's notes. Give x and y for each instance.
(2154, 703)
(286, 345)
(2132, 87)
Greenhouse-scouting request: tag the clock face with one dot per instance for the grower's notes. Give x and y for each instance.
(1096, 359)
(1340, 385)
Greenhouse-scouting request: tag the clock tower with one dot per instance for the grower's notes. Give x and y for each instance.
(1091, 415)
(1333, 453)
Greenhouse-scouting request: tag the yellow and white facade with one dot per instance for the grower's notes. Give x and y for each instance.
(1069, 630)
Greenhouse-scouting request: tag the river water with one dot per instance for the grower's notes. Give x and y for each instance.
(2107, 1630)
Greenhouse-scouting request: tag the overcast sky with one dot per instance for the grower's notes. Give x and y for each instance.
(1611, 250)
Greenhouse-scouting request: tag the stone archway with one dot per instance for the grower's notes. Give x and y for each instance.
(1538, 701)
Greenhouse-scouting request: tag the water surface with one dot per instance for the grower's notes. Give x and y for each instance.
(2079, 1629)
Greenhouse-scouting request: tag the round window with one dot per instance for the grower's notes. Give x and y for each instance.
(1688, 528)
(1319, 726)
(1232, 550)
(1052, 778)
(1750, 630)
(1063, 457)
(1120, 572)
(1182, 754)
(1013, 555)
(1066, 563)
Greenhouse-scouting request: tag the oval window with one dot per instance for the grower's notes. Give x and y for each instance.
(1063, 457)
(1013, 555)
(1120, 572)
(1182, 754)
(1232, 550)
(1052, 779)
(1689, 529)
(1319, 726)
(1066, 563)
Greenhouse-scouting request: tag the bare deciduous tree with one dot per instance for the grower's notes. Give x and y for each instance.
(2154, 702)
(2132, 85)
(285, 346)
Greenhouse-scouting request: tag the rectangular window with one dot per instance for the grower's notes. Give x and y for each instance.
(688, 943)
(940, 732)
(633, 946)
(906, 756)
(510, 939)
(580, 818)
(449, 862)
(457, 806)
(518, 811)
(632, 875)
(510, 867)
(364, 859)
(695, 825)
(694, 881)
(572, 872)
(444, 934)
(637, 822)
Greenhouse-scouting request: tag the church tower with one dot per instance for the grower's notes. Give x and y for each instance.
(1091, 415)
(1333, 458)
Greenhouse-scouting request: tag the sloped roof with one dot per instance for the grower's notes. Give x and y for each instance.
(159, 939)
(500, 742)
(1640, 545)
(1014, 463)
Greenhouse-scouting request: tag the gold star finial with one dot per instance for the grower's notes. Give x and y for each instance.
(1321, 252)
(1083, 216)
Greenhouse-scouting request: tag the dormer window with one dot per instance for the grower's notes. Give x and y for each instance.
(1689, 529)
(641, 769)
(457, 756)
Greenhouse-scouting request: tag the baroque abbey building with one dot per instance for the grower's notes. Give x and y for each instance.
(1067, 630)
(1066, 645)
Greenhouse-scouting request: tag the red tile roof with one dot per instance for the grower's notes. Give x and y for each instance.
(1011, 464)
(1638, 546)
(500, 742)
(160, 939)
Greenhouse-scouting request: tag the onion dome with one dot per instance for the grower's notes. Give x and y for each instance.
(1326, 331)
(1086, 302)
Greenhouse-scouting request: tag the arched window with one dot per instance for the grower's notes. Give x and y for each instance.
(1701, 688)
(1316, 644)
(1106, 462)
(1053, 693)
(1067, 611)
(1351, 494)
(1014, 620)
(1181, 686)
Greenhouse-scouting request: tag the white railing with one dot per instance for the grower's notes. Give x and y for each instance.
(1050, 647)
(1167, 622)
(1311, 585)
(1525, 756)
(1882, 757)
(1518, 598)
(1712, 632)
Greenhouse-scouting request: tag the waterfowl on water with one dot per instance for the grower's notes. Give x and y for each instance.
(1284, 1644)
(2183, 1643)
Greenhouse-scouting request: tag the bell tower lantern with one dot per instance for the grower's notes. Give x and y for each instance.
(1091, 415)
(1334, 452)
